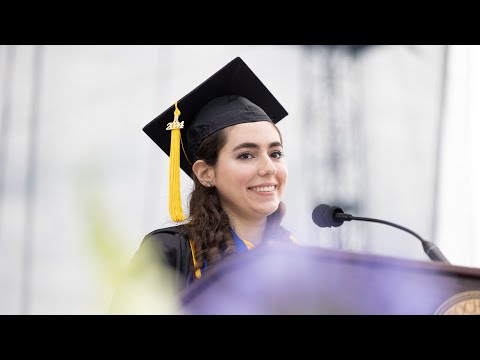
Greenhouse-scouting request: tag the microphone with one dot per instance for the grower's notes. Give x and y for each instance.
(327, 216)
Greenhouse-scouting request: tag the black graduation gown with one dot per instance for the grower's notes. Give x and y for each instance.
(167, 247)
(172, 248)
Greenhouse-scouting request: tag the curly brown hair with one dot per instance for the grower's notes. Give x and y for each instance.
(209, 228)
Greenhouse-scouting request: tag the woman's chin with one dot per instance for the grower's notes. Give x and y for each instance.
(267, 210)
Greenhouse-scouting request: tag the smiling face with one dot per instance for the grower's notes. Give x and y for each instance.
(250, 173)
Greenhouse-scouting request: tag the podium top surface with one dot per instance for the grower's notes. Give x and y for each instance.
(292, 279)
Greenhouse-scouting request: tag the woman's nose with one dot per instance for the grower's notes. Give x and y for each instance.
(267, 167)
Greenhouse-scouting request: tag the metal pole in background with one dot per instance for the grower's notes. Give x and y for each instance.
(7, 89)
(438, 157)
(29, 230)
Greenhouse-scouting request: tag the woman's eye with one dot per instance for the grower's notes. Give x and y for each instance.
(277, 154)
(245, 156)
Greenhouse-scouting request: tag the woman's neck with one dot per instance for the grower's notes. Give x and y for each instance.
(250, 231)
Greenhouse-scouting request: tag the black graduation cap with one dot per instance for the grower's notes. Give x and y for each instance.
(235, 78)
(233, 95)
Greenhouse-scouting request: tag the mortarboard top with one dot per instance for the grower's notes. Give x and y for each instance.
(253, 102)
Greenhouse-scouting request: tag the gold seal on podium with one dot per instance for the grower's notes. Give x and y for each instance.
(464, 303)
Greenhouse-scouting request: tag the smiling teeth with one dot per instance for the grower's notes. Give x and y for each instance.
(263, 188)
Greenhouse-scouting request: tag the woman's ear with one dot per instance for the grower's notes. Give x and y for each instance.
(203, 172)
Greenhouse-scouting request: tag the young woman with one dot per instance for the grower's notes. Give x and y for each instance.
(233, 151)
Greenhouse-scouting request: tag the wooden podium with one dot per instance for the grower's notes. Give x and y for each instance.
(291, 279)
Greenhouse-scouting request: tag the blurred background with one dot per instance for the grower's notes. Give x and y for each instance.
(384, 131)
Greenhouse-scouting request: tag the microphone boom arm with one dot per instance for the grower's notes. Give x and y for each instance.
(430, 248)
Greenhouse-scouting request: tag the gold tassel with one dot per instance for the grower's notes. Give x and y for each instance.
(174, 197)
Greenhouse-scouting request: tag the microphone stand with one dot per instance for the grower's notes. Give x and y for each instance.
(430, 248)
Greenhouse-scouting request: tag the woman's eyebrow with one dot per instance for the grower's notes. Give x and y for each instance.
(255, 146)
(246, 145)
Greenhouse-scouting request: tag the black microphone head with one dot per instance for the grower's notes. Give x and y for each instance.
(324, 215)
